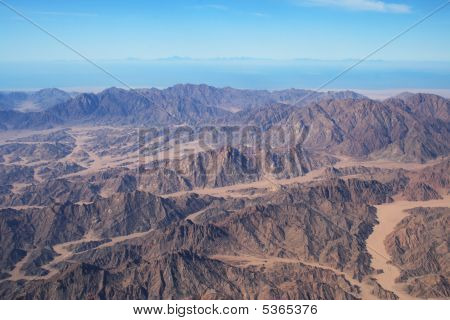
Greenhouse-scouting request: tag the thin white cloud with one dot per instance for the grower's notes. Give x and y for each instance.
(359, 5)
(259, 14)
(217, 6)
(62, 13)
(220, 7)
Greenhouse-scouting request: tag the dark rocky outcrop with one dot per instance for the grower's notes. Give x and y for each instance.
(419, 245)
(420, 192)
(164, 278)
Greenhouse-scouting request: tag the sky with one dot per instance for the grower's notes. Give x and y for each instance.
(137, 30)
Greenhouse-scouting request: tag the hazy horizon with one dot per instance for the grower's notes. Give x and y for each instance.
(243, 73)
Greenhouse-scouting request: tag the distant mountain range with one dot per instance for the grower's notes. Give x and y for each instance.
(409, 126)
(33, 101)
(180, 103)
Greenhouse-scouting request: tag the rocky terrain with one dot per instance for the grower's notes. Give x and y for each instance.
(196, 192)
(33, 101)
(419, 244)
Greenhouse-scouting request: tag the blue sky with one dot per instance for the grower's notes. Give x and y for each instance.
(276, 29)
(131, 38)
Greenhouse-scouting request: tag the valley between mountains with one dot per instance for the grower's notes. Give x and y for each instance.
(196, 192)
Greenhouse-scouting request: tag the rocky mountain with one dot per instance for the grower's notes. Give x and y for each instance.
(196, 192)
(392, 130)
(233, 100)
(32, 101)
(419, 244)
(12, 120)
(420, 192)
(179, 104)
(164, 279)
(414, 128)
(229, 165)
(277, 231)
